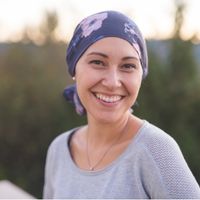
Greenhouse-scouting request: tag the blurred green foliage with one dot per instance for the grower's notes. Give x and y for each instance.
(33, 111)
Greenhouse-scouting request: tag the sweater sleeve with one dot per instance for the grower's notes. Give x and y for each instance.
(51, 166)
(47, 189)
(175, 173)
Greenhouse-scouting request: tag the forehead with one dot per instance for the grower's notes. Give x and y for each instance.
(113, 46)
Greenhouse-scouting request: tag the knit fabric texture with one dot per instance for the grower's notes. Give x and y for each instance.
(152, 166)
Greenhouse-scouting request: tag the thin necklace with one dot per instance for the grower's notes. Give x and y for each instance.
(92, 167)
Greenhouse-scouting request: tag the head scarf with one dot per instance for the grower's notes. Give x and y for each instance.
(94, 28)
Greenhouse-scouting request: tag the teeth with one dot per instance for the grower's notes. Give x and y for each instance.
(109, 99)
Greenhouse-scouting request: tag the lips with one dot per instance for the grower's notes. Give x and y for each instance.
(108, 99)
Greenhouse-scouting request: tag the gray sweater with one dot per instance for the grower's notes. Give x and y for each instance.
(152, 166)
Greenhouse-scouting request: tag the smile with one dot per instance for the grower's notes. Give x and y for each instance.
(108, 99)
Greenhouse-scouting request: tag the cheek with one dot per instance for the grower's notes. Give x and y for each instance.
(133, 85)
(87, 78)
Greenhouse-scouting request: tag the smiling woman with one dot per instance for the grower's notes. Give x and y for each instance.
(116, 154)
(116, 76)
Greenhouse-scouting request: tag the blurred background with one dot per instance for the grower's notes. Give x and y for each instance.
(33, 40)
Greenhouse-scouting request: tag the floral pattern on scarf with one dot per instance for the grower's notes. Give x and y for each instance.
(93, 23)
(131, 32)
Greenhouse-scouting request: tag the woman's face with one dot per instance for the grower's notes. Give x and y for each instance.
(108, 77)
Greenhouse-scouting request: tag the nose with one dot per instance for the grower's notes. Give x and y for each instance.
(112, 80)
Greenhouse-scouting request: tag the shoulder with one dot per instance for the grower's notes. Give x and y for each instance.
(160, 147)
(60, 142)
(156, 139)
(164, 152)
(58, 150)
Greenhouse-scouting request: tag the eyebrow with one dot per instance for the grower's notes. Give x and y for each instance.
(98, 53)
(106, 56)
(130, 57)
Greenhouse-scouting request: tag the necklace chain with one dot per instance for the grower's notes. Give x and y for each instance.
(92, 167)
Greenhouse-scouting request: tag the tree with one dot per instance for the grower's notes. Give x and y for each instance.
(48, 26)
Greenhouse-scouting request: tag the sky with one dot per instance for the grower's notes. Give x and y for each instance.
(154, 17)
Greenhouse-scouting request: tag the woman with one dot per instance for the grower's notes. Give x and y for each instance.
(116, 155)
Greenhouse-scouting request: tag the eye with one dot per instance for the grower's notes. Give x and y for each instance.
(97, 62)
(128, 67)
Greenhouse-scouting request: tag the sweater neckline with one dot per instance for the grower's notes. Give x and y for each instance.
(79, 170)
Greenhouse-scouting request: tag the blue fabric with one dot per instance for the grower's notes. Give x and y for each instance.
(94, 28)
(71, 95)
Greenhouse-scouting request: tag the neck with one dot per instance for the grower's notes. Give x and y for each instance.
(104, 133)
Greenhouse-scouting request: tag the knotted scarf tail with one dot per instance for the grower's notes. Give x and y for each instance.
(70, 94)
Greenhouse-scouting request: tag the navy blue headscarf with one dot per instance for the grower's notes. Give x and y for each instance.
(94, 28)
